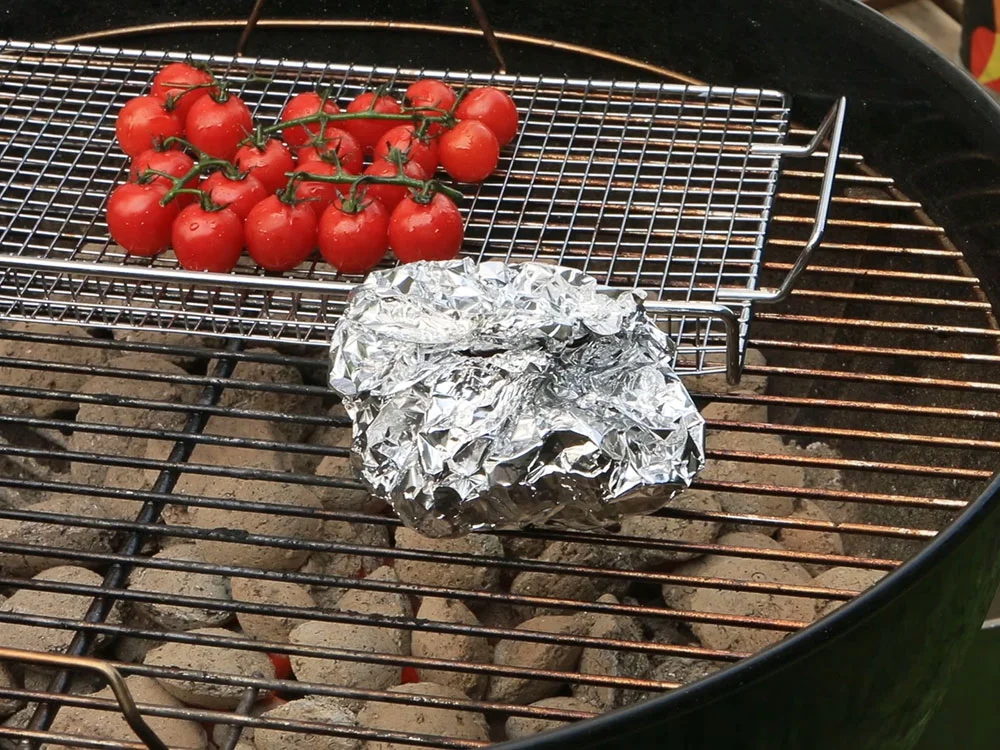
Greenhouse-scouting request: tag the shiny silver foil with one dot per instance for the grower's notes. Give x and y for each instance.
(499, 396)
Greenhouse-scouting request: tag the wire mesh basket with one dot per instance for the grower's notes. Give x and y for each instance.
(660, 187)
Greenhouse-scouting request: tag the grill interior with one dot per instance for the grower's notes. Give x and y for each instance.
(872, 394)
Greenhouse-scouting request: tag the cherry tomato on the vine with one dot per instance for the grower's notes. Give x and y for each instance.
(239, 195)
(173, 84)
(207, 240)
(143, 123)
(137, 221)
(336, 141)
(268, 164)
(492, 107)
(428, 95)
(354, 241)
(303, 105)
(469, 151)
(368, 131)
(279, 236)
(218, 127)
(403, 139)
(430, 92)
(426, 231)
(390, 195)
(318, 195)
(174, 163)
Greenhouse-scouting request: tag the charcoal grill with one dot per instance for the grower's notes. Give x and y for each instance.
(886, 349)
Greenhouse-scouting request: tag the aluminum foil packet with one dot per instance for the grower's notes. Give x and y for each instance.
(489, 396)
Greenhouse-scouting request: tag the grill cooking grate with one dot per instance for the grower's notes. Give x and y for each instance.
(663, 187)
(833, 353)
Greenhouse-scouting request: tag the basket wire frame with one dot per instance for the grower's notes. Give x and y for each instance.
(660, 187)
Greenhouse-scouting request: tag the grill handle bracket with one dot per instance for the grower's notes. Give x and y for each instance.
(113, 677)
(709, 310)
(832, 126)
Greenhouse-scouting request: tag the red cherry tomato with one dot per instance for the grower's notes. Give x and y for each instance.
(318, 195)
(368, 132)
(469, 151)
(172, 162)
(354, 242)
(282, 666)
(173, 85)
(218, 127)
(492, 107)
(390, 195)
(268, 164)
(430, 92)
(403, 139)
(426, 231)
(143, 123)
(409, 674)
(238, 195)
(137, 221)
(207, 240)
(304, 105)
(339, 142)
(279, 236)
(433, 95)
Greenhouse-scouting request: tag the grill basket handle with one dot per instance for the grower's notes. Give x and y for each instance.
(832, 126)
(113, 677)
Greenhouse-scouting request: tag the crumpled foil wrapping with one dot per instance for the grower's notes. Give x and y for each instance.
(499, 396)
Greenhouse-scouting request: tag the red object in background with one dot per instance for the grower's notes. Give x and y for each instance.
(980, 49)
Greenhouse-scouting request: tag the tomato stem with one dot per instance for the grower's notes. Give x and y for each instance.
(172, 100)
(221, 93)
(204, 163)
(323, 118)
(258, 139)
(423, 187)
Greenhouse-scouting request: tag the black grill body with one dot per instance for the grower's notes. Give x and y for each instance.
(870, 676)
